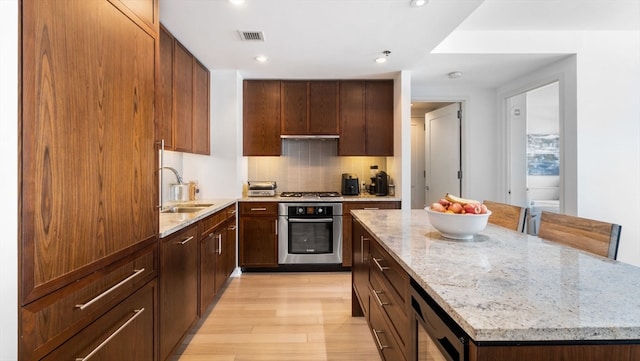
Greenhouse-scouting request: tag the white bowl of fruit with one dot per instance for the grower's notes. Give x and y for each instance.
(458, 218)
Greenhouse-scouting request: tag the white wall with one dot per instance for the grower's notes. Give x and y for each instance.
(479, 126)
(219, 174)
(9, 180)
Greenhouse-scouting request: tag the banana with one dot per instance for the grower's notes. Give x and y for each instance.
(453, 199)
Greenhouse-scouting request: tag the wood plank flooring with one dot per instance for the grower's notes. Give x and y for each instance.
(283, 317)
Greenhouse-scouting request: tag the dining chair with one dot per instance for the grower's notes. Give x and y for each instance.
(589, 235)
(507, 215)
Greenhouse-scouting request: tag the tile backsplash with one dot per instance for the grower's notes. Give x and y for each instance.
(311, 165)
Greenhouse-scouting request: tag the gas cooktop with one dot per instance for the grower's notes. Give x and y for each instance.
(309, 194)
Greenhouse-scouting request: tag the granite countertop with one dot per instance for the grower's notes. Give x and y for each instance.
(173, 222)
(509, 286)
(358, 198)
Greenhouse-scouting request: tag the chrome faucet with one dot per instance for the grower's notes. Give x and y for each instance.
(178, 177)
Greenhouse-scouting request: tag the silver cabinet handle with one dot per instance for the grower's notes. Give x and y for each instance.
(114, 334)
(219, 243)
(258, 209)
(380, 267)
(185, 241)
(371, 209)
(276, 227)
(232, 228)
(82, 306)
(375, 294)
(233, 212)
(380, 345)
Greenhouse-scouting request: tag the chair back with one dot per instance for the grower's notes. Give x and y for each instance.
(597, 237)
(507, 215)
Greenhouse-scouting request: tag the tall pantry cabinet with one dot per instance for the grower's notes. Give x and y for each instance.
(88, 228)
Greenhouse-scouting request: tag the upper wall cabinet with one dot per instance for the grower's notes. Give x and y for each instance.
(309, 108)
(366, 118)
(261, 123)
(184, 100)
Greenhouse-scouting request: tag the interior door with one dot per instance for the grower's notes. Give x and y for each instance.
(442, 152)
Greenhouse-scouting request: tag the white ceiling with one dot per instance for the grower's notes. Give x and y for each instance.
(331, 39)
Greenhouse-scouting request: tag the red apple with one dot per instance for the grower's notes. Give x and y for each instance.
(444, 202)
(438, 207)
(456, 208)
(473, 208)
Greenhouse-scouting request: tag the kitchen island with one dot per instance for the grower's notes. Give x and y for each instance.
(512, 289)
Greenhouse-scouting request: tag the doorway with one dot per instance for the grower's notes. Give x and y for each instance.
(534, 150)
(435, 151)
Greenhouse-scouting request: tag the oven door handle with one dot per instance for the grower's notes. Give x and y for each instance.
(310, 220)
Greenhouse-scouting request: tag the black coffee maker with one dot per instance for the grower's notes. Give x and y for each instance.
(381, 183)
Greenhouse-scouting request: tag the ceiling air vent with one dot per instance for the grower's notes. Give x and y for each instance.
(251, 35)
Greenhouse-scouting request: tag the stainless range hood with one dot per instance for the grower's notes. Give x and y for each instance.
(310, 136)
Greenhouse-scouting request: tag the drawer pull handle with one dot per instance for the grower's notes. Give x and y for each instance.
(380, 345)
(233, 212)
(377, 262)
(114, 334)
(376, 295)
(258, 209)
(82, 306)
(371, 209)
(185, 241)
(219, 243)
(232, 228)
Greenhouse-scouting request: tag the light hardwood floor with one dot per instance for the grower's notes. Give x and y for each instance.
(283, 317)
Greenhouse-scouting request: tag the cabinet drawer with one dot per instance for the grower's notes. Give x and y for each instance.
(348, 206)
(211, 222)
(390, 272)
(61, 314)
(258, 209)
(394, 309)
(383, 336)
(126, 332)
(231, 211)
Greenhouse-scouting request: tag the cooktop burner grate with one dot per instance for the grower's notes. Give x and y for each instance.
(309, 194)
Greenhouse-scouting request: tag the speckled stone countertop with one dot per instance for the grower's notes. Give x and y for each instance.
(358, 198)
(173, 222)
(509, 286)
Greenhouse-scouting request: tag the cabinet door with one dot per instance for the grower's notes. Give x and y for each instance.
(360, 268)
(165, 89)
(201, 117)
(89, 135)
(230, 249)
(323, 107)
(294, 108)
(379, 117)
(208, 266)
(182, 97)
(127, 332)
(178, 287)
(352, 125)
(261, 118)
(258, 242)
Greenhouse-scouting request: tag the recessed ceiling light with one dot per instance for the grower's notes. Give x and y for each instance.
(384, 58)
(418, 3)
(454, 74)
(237, 2)
(261, 59)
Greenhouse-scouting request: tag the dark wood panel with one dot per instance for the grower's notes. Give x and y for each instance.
(90, 143)
(294, 108)
(208, 259)
(352, 122)
(619, 352)
(165, 89)
(182, 98)
(379, 117)
(258, 242)
(323, 108)
(261, 118)
(201, 111)
(132, 324)
(258, 208)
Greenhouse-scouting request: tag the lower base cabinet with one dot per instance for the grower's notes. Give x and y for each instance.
(126, 332)
(178, 287)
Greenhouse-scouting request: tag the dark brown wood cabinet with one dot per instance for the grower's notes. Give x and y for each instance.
(183, 100)
(258, 237)
(261, 118)
(381, 294)
(178, 287)
(347, 236)
(309, 108)
(366, 118)
(217, 253)
(88, 168)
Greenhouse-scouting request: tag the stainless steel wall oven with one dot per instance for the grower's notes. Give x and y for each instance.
(310, 233)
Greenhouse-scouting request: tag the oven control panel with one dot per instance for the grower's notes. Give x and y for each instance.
(310, 211)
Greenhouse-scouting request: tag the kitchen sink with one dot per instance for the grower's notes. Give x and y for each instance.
(187, 209)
